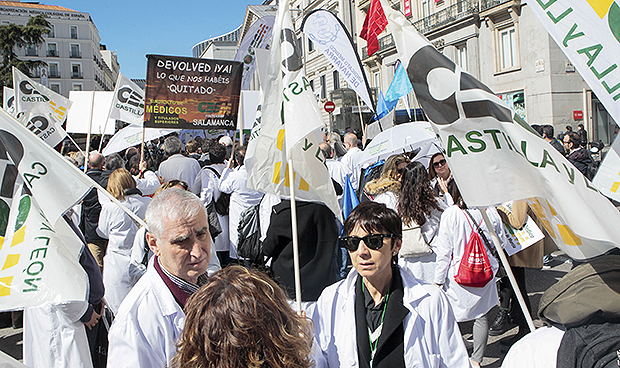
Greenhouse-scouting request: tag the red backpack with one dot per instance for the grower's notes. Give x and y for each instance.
(475, 269)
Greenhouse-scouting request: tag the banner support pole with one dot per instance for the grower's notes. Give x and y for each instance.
(142, 146)
(291, 178)
(511, 276)
(90, 126)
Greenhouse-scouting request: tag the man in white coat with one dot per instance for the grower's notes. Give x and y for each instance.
(352, 159)
(177, 166)
(151, 318)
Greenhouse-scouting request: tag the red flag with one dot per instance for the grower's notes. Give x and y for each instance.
(374, 24)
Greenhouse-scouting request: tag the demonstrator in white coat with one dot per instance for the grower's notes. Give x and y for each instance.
(380, 315)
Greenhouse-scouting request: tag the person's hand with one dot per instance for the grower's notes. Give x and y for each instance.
(142, 165)
(94, 318)
(443, 184)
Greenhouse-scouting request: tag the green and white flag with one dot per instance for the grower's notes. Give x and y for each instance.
(39, 253)
(127, 102)
(40, 109)
(494, 155)
(9, 100)
(290, 128)
(588, 31)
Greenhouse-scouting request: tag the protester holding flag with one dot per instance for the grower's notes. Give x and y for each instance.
(386, 188)
(120, 230)
(398, 321)
(469, 303)
(418, 206)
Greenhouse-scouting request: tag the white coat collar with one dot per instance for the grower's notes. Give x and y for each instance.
(163, 295)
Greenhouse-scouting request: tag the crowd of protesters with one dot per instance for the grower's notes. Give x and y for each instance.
(379, 290)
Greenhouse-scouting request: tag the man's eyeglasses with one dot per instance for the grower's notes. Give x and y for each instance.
(439, 163)
(372, 241)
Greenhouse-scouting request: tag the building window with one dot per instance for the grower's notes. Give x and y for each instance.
(336, 79)
(461, 55)
(52, 50)
(52, 33)
(73, 30)
(312, 85)
(77, 87)
(31, 50)
(426, 8)
(300, 45)
(5, 23)
(310, 45)
(377, 78)
(55, 87)
(76, 71)
(75, 51)
(53, 72)
(508, 48)
(323, 87)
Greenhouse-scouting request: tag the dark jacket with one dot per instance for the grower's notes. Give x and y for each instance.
(318, 238)
(91, 208)
(558, 146)
(581, 159)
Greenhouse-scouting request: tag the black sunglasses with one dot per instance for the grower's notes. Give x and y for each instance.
(372, 241)
(439, 163)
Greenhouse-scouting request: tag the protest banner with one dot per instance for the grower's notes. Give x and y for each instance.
(39, 108)
(89, 105)
(520, 239)
(334, 42)
(495, 157)
(189, 93)
(256, 38)
(588, 33)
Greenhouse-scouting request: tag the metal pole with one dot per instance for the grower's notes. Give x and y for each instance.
(90, 125)
(511, 276)
(291, 181)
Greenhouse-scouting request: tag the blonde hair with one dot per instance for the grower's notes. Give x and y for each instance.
(120, 179)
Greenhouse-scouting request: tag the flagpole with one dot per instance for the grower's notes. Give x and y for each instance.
(90, 125)
(75, 144)
(291, 181)
(511, 276)
(142, 146)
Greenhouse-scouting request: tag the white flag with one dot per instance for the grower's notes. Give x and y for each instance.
(9, 100)
(127, 102)
(39, 108)
(290, 127)
(40, 260)
(588, 32)
(496, 159)
(256, 38)
(39, 254)
(334, 42)
(607, 178)
(131, 135)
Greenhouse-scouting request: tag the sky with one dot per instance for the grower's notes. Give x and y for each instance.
(136, 28)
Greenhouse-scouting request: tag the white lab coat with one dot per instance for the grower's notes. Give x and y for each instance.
(432, 338)
(179, 167)
(352, 160)
(148, 184)
(454, 231)
(241, 197)
(388, 198)
(147, 325)
(120, 229)
(54, 336)
(207, 184)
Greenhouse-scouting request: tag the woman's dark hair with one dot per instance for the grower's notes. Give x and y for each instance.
(458, 198)
(241, 318)
(416, 197)
(431, 169)
(374, 217)
(239, 155)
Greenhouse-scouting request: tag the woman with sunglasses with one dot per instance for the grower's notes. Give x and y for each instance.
(441, 178)
(380, 315)
(385, 189)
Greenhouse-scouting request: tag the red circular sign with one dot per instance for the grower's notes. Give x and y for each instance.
(329, 106)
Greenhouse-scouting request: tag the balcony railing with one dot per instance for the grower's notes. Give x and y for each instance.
(53, 74)
(451, 14)
(76, 75)
(32, 52)
(488, 4)
(75, 54)
(52, 53)
(386, 42)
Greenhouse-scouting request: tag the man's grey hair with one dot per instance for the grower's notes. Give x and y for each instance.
(351, 139)
(172, 145)
(96, 159)
(172, 204)
(326, 149)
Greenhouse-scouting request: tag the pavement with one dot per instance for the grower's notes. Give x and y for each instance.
(537, 281)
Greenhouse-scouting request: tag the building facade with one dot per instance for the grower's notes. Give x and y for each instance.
(76, 59)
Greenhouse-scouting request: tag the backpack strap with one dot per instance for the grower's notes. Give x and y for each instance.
(481, 233)
(214, 171)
